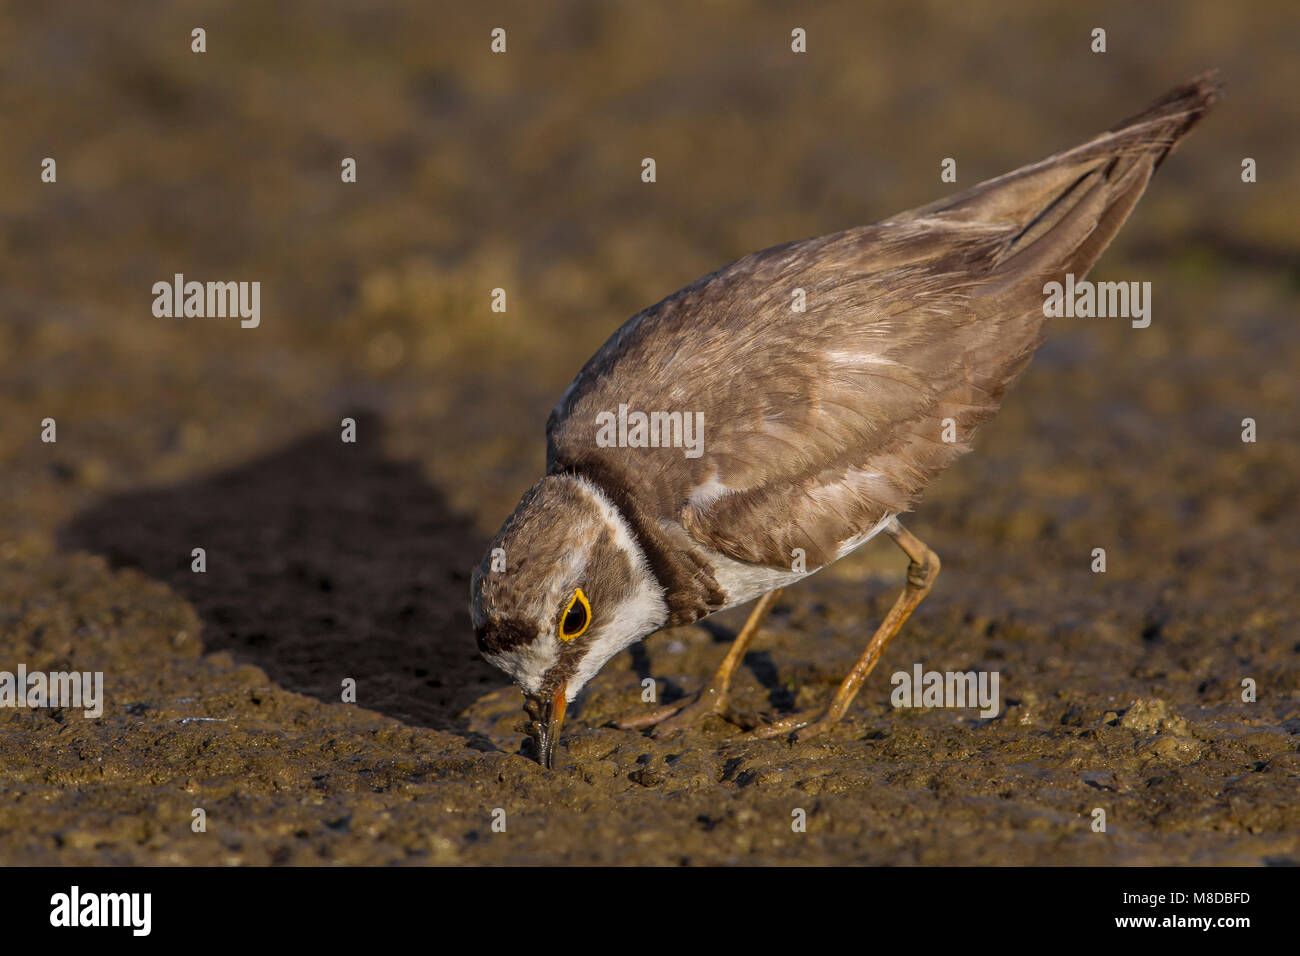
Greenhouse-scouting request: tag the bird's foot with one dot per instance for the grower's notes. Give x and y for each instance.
(688, 711)
(799, 726)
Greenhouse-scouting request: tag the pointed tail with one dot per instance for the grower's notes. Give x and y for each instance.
(1064, 211)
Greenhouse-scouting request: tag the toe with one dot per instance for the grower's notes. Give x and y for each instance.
(642, 721)
(812, 730)
(785, 725)
(684, 718)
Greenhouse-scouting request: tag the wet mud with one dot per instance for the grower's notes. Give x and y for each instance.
(328, 561)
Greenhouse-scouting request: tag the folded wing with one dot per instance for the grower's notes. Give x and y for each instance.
(820, 423)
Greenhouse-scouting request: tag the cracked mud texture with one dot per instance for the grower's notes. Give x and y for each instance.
(1122, 691)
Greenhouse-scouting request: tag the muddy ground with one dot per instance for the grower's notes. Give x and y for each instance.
(1122, 691)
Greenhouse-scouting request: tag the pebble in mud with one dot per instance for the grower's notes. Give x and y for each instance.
(1150, 715)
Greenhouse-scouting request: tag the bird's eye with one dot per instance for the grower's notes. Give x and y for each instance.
(576, 616)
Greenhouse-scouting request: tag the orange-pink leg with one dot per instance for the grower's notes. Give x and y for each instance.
(921, 572)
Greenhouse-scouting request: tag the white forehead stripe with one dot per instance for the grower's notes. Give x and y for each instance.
(527, 665)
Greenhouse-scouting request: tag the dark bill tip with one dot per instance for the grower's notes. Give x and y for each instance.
(547, 713)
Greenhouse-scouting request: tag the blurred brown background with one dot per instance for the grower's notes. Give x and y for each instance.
(522, 171)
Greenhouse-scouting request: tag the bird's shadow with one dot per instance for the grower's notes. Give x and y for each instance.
(325, 560)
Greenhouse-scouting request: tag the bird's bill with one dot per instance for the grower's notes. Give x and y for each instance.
(548, 719)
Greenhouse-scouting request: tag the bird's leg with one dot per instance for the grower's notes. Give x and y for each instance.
(921, 572)
(713, 698)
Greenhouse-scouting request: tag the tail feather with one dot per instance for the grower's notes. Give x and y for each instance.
(1067, 208)
(1168, 120)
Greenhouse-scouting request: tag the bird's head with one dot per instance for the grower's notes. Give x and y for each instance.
(563, 588)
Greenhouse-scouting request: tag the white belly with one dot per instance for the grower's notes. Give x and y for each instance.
(743, 582)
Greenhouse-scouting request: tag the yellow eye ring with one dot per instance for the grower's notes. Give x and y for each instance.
(579, 603)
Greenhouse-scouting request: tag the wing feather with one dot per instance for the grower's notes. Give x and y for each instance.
(819, 424)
